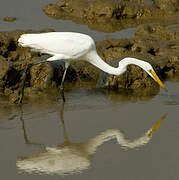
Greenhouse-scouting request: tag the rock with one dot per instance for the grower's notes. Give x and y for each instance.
(13, 60)
(42, 76)
(110, 15)
(159, 31)
(9, 19)
(167, 4)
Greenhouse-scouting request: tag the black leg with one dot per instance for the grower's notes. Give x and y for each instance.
(25, 77)
(62, 82)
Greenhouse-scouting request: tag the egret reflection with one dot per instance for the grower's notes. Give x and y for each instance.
(71, 157)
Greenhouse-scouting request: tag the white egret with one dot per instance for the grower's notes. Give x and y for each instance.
(68, 46)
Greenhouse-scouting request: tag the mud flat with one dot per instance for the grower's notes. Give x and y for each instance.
(113, 15)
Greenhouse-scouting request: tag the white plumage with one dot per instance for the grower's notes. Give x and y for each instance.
(68, 44)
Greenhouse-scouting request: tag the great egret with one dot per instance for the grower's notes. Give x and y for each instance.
(68, 46)
(75, 157)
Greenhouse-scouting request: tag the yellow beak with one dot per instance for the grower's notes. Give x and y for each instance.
(158, 80)
(156, 126)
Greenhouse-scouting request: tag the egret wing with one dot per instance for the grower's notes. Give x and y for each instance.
(70, 44)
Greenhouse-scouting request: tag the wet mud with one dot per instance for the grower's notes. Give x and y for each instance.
(113, 15)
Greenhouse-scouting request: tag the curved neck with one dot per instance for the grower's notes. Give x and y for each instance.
(93, 143)
(128, 60)
(109, 134)
(96, 60)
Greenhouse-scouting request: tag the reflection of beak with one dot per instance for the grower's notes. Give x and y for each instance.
(157, 79)
(156, 126)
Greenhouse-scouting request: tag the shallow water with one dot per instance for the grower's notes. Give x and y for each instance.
(88, 115)
(29, 15)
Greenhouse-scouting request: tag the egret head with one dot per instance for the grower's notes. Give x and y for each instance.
(151, 72)
(144, 65)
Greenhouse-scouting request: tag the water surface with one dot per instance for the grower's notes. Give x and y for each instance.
(29, 15)
(87, 114)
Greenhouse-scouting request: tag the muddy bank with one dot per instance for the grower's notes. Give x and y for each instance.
(113, 15)
(154, 43)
